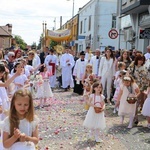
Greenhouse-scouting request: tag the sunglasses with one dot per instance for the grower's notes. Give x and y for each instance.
(31, 54)
(13, 56)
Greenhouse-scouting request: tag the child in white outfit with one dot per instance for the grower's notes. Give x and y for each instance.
(126, 109)
(146, 106)
(117, 84)
(95, 121)
(20, 129)
(22, 79)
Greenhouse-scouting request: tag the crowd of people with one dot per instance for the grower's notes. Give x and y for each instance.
(111, 77)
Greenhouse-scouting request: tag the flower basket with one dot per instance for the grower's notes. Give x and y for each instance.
(131, 100)
(98, 109)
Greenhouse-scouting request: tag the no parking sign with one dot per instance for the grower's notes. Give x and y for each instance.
(113, 33)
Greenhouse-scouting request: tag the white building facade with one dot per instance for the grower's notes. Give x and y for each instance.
(96, 19)
(137, 33)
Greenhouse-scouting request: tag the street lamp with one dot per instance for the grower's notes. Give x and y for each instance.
(72, 7)
(71, 26)
(44, 34)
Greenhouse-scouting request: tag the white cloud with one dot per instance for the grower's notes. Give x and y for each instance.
(27, 16)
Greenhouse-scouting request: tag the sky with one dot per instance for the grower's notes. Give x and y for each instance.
(27, 16)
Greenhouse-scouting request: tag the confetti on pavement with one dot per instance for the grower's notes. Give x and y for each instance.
(61, 126)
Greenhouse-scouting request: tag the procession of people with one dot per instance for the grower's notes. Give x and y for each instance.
(120, 78)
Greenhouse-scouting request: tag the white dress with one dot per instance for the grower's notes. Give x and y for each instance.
(5, 101)
(126, 109)
(146, 106)
(21, 79)
(25, 127)
(95, 120)
(47, 92)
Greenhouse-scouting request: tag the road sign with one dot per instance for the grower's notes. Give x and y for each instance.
(113, 33)
(145, 34)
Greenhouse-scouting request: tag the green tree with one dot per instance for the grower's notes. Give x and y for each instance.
(40, 42)
(20, 42)
(53, 43)
(33, 46)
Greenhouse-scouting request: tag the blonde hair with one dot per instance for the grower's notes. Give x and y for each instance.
(89, 65)
(13, 117)
(121, 64)
(31, 51)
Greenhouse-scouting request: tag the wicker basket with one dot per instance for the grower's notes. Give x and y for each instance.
(131, 100)
(98, 109)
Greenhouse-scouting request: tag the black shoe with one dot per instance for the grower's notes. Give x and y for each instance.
(136, 122)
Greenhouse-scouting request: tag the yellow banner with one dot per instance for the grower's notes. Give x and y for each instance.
(59, 35)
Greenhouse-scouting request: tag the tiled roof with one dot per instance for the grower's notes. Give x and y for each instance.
(4, 31)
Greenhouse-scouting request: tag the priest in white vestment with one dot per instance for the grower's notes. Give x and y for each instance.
(95, 62)
(52, 60)
(88, 54)
(66, 63)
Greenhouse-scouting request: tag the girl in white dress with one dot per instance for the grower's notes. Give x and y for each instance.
(146, 106)
(117, 84)
(87, 82)
(125, 109)
(22, 79)
(4, 83)
(20, 130)
(47, 92)
(95, 121)
(3, 93)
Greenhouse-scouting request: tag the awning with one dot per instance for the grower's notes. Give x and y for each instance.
(59, 35)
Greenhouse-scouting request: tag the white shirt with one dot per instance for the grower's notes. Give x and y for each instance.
(147, 56)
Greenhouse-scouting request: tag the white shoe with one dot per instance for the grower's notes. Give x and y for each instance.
(148, 126)
(97, 139)
(90, 135)
(129, 126)
(114, 111)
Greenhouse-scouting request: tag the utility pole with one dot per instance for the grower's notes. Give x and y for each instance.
(44, 24)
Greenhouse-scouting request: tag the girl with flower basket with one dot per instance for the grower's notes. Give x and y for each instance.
(127, 98)
(95, 119)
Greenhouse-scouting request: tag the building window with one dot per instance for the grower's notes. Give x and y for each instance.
(89, 23)
(81, 27)
(80, 48)
(85, 25)
(113, 21)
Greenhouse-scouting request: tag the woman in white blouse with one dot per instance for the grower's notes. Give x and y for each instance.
(107, 72)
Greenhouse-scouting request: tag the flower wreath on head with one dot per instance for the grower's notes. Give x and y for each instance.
(126, 78)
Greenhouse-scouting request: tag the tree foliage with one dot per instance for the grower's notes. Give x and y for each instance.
(40, 42)
(53, 43)
(33, 46)
(20, 42)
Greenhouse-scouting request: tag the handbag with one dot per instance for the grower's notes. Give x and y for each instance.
(97, 109)
(131, 99)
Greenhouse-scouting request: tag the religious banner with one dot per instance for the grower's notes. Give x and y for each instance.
(59, 35)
